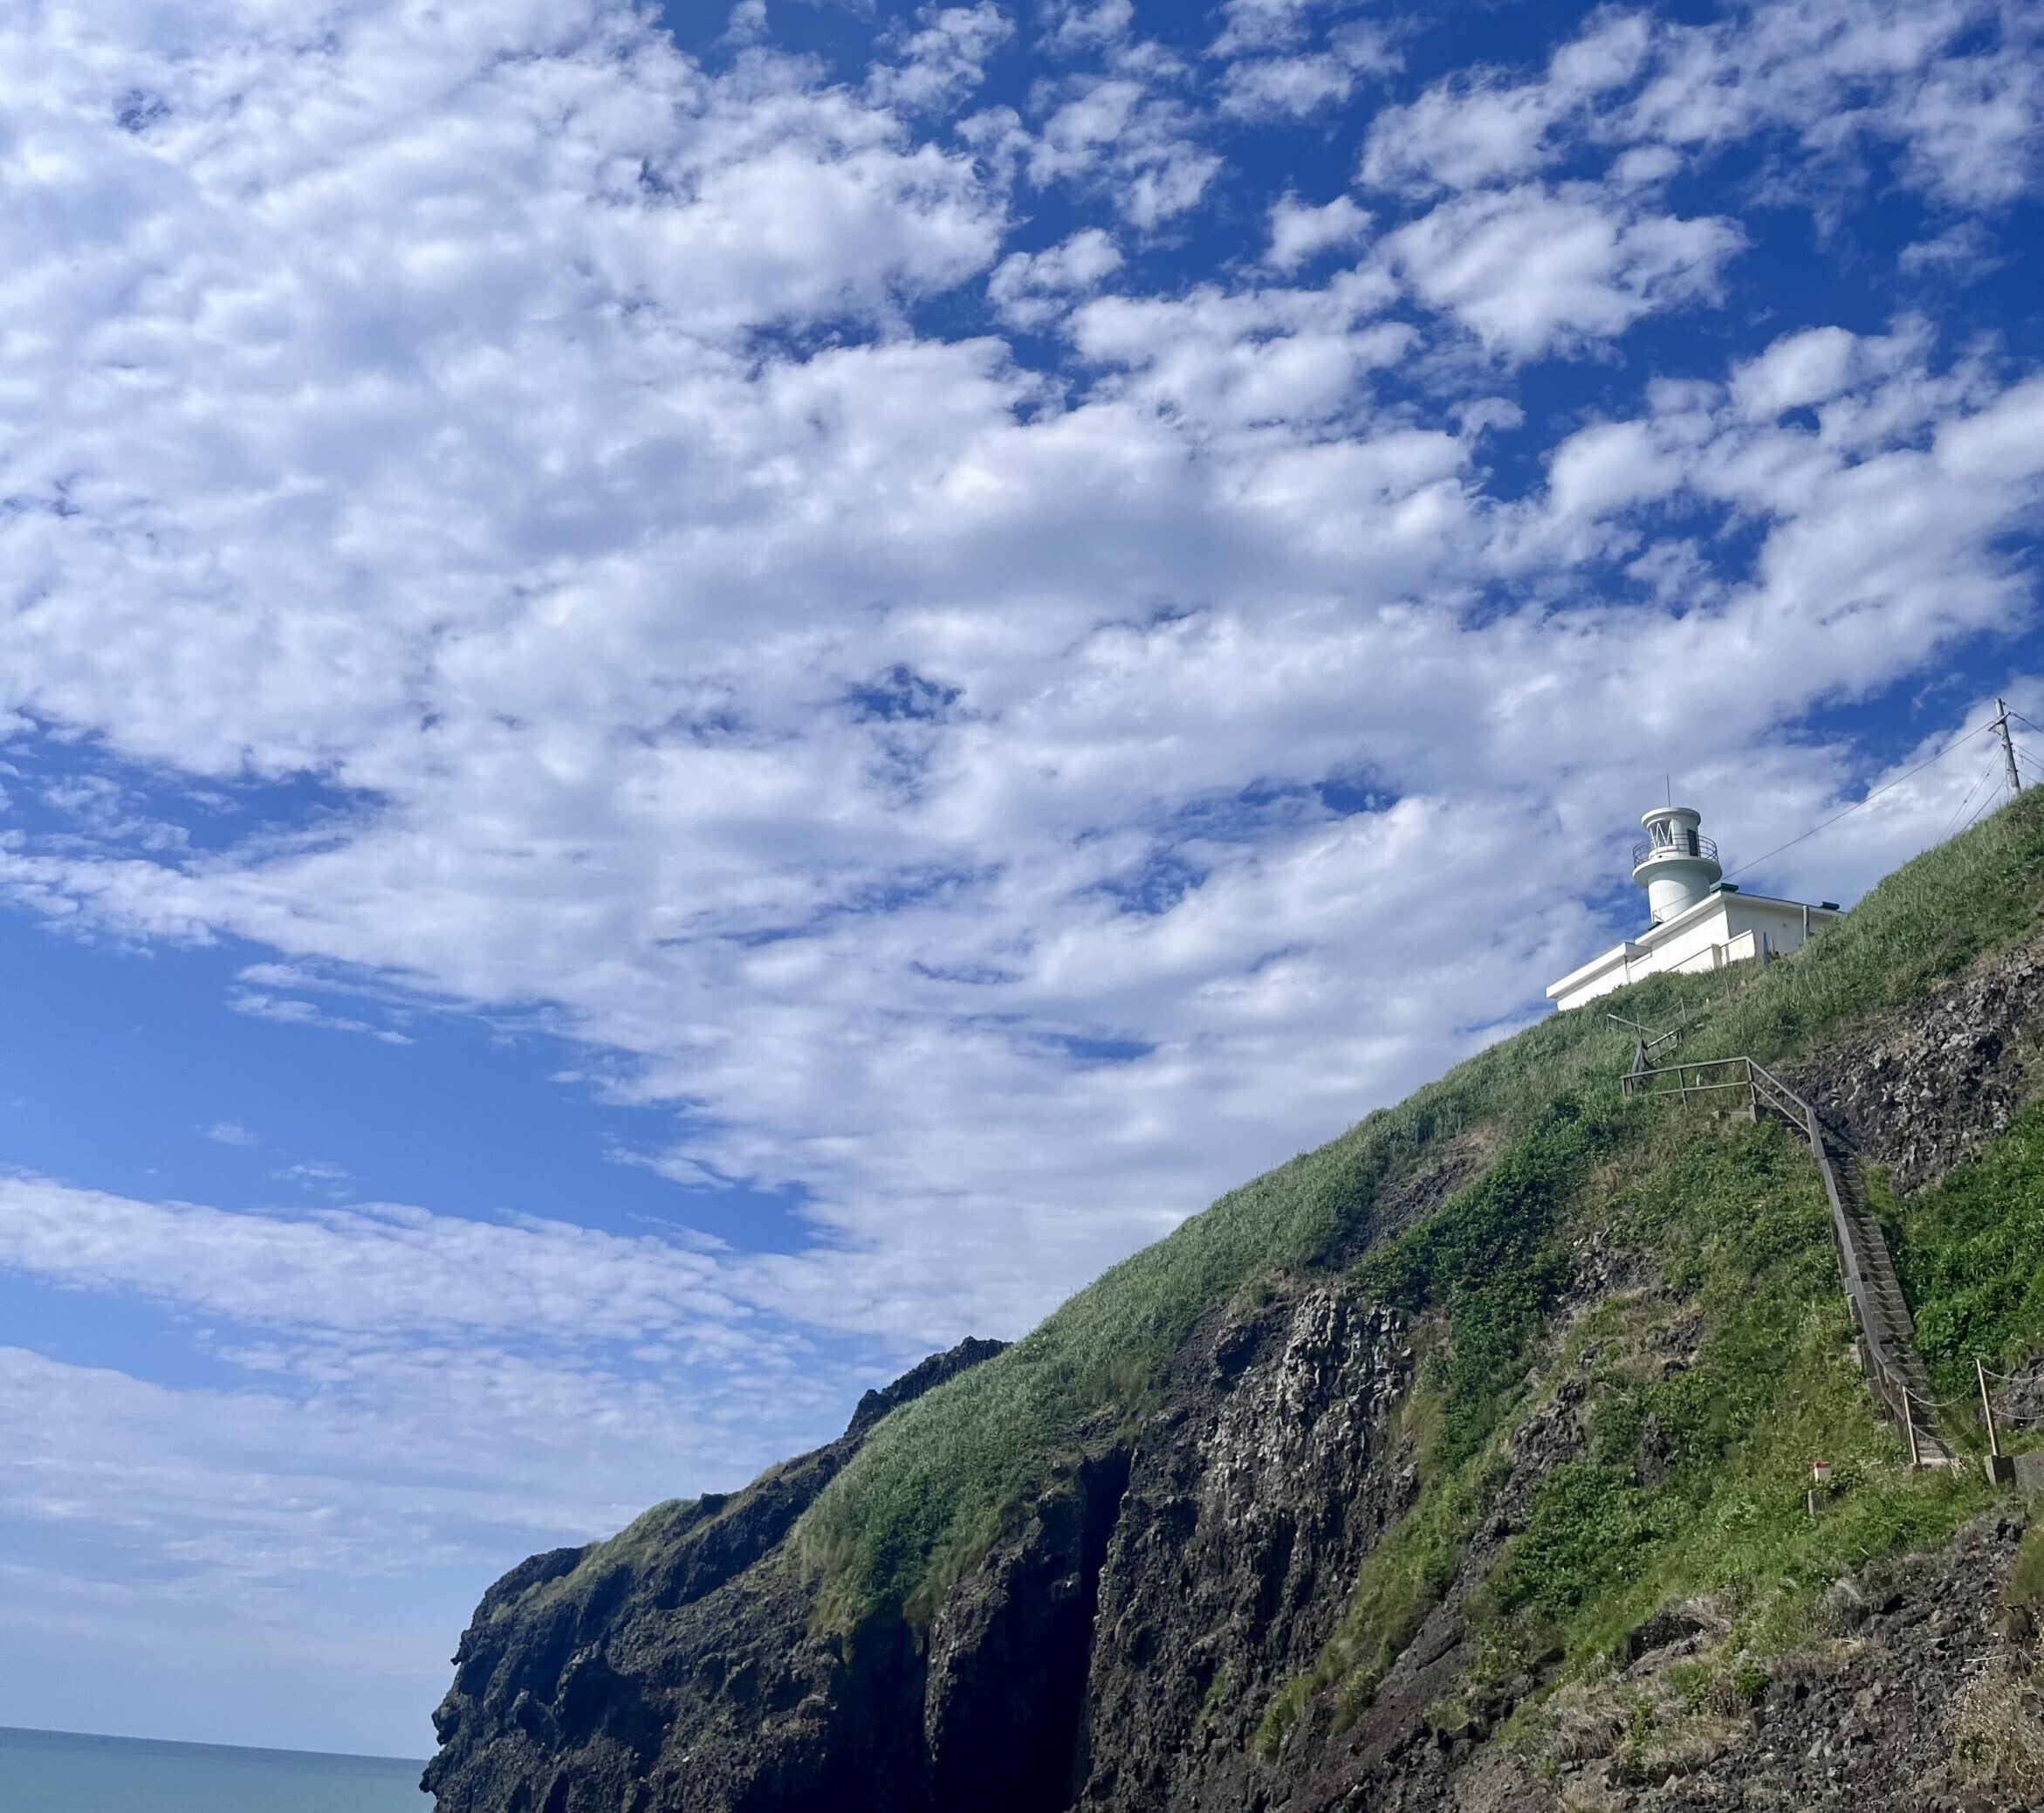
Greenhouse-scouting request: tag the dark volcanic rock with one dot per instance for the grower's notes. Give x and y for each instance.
(676, 1668)
(1251, 1499)
(1930, 1084)
(1864, 1719)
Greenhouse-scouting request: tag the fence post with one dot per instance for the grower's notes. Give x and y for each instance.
(1987, 1409)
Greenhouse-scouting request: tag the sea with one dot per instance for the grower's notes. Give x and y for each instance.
(66, 1772)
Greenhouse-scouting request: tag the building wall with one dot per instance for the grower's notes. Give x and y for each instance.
(1733, 928)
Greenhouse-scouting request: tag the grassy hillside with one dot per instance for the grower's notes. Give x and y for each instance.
(1736, 1220)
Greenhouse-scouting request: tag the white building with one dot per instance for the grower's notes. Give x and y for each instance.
(1698, 921)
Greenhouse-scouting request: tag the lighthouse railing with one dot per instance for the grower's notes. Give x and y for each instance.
(1679, 842)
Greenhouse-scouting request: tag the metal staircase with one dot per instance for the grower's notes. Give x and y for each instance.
(1887, 1336)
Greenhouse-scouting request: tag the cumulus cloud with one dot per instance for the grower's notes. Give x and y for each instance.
(1122, 134)
(1300, 231)
(1031, 289)
(1279, 62)
(1968, 123)
(942, 59)
(1534, 269)
(1080, 25)
(1480, 126)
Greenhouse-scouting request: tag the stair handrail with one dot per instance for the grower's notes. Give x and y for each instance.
(1890, 1388)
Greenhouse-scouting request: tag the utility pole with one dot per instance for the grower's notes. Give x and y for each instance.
(2015, 778)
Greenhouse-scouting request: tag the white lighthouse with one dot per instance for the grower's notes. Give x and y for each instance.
(1696, 919)
(1678, 865)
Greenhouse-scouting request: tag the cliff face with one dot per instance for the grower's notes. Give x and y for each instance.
(675, 1665)
(1274, 1581)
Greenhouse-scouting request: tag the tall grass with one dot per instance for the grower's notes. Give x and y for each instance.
(1970, 1255)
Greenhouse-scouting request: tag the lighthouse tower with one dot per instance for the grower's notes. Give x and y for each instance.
(1677, 864)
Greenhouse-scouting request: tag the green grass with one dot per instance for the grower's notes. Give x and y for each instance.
(1487, 1261)
(1740, 1229)
(1399, 1582)
(2026, 1578)
(1971, 1256)
(938, 1477)
(1739, 1226)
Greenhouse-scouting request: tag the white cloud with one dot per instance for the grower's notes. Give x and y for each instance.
(1477, 128)
(290, 1011)
(231, 1133)
(1968, 124)
(1803, 369)
(1263, 25)
(943, 59)
(406, 1271)
(1032, 289)
(320, 1176)
(1217, 362)
(1080, 25)
(1270, 87)
(1277, 65)
(1962, 253)
(1300, 231)
(1535, 269)
(1119, 132)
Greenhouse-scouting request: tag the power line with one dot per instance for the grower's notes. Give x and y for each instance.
(1986, 773)
(1965, 737)
(1987, 801)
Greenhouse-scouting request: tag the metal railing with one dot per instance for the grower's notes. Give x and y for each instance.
(1649, 1041)
(1884, 1374)
(1683, 843)
(1689, 1082)
(1702, 1082)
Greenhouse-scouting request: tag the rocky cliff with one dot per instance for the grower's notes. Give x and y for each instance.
(1477, 1486)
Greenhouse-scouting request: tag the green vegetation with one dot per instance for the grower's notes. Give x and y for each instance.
(1695, 1475)
(2023, 1598)
(1698, 1459)
(1694, 1481)
(1971, 1254)
(1928, 920)
(1487, 1261)
(1401, 1579)
(1997, 1734)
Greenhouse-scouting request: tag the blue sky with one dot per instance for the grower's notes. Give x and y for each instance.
(690, 704)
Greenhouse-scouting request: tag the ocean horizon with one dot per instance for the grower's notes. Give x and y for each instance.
(82, 1772)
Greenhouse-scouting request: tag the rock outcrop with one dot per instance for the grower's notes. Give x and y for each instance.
(1925, 1086)
(676, 1666)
